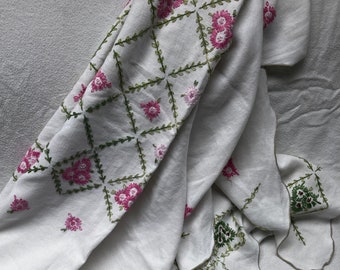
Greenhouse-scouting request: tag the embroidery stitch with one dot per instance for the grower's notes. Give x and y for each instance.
(100, 82)
(188, 210)
(159, 152)
(191, 96)
(72, 224)
(229, 169)
(79, 173)
(30, 158)
(222, 24)
(269, 14)
(18, 205)
(80, 94)
(126, 196)
(151, 109)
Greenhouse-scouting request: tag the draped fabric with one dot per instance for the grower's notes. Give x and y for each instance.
(163, 155)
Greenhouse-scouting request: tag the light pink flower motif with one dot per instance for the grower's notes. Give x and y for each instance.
(191, 95)
(222, 20)
(81, 93)
(81, 177)
(177, 3)
(164, 8)
(100, 82)
(125, 197)
(188, 211)
(151, 109)
(72, 224)
(229, 170)
(160, 152)
(220, 39)
(269, 14)
(28, 160)
(18, 205)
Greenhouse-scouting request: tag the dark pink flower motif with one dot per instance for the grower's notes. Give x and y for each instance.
(125, 197)
(151, 109)
(28, 160)
(100, 82)
(72, 224)
(81, 93)
(79, 173)
(222, 20)
(229, 170)
(177, 3)
(191, 95)
(220, 39)
(188, 211)
(269, 14)
(18, 205)
(164, 8)
(160, 152)
(83, 165)
(81, 177)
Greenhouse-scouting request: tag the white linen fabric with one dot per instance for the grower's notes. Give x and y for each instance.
(163, 156)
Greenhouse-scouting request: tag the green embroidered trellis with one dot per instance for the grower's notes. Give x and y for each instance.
(228, 237)
(307, 196)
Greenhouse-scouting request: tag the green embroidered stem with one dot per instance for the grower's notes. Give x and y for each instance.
(120, 20)
(88, 132)
(73, 157)
(82, 189)
(143, 85)
(172, 101)
(203, 37)
(35, 169)
(250, 199)
(15, 177)
(93, 66)
(158, 52)
(39, 146)
(187, 68)
(68, 113)
(103, 103)
(154, 130)
(141, 155)
(47, 154)
(114, 142)
(56, 180)
(213, 4)
(134, 37)
(297, 232)
(173, 19)
(125, 179)
(108, 203)
(322, 194)
(183, 235)
(301, 178)
(99, 167)
(153, 11)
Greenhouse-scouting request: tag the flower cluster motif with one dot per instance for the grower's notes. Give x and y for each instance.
(18, 205)
(126, 196)
(151, 109)
(100, 82)
(79, 173)
(28, 160)
(269, 14)
(165, 7)
(303, 198)
(229, 169)
(222, 24)
(223, 234)
(72, 224)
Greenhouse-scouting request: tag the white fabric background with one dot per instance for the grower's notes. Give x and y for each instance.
(46, 45)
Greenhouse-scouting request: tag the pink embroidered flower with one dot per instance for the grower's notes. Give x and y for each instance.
(269, 14)
(83, 165)
(18, 205)
(160, 152)
(188, 211)
(220, 39)
(28, 160)
(151, 109)
(125, 197)
(81, 93)
(191, 95)
(72, 224)
(99, 82)
(229, 170)
(81, 177)
(79, 173)
(164, 8)
(222, 20)
(177, 3)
